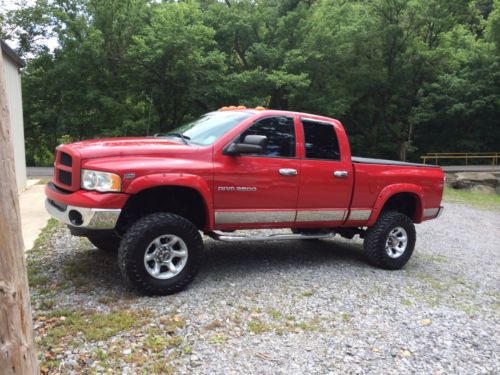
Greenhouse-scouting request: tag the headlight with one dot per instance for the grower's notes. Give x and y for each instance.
(100, 181)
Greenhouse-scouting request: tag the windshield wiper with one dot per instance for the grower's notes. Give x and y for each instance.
(184, 138)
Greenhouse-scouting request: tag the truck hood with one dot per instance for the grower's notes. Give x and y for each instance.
(100, 148)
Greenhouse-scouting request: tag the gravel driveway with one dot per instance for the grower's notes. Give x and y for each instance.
(287, 307)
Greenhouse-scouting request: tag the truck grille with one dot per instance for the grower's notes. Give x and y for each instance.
(65, 177)
(66, 170)
(65, 159)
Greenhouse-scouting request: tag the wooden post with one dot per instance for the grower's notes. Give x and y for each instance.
(17, 350)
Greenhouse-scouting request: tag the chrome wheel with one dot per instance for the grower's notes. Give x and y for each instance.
(396, 242)
(166, 256)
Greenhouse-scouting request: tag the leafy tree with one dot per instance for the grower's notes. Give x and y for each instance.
(404, 76)
(176, 62)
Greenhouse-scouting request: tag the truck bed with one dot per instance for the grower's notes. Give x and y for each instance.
(359, 160)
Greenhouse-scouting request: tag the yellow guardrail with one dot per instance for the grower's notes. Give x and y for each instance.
(467, 156)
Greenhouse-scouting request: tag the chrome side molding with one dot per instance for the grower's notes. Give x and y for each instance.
(220, 236)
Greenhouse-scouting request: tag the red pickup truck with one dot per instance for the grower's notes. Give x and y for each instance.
(236, 168)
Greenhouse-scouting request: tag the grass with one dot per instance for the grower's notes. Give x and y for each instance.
(307, 293)
(258, 327)
(157, 343)
(218, 338)
(36, 276)
(275, 314)
(93, 326)
(432, 282)
(346, 318)
(480, 200)
(45, 234)
(405, 302)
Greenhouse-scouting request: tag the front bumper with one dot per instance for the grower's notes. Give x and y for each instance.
(79, 208)
(84, 217)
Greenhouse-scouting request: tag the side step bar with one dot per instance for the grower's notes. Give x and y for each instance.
(219, 236)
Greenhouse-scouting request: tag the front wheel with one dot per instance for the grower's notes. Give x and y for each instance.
(160, 253)
(390, 242)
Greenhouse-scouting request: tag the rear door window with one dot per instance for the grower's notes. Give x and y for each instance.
(320, 140)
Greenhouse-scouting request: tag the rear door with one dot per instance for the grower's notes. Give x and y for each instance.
(326, 177)
(255, 191)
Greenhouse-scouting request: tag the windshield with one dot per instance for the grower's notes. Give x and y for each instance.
(206, 129)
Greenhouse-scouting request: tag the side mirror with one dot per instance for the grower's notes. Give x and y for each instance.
(252, 144)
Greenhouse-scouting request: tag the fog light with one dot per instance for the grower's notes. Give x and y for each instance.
(75, 218)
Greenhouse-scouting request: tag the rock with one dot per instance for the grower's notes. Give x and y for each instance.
(127, 351)
(425, 322)
(482, 182)
(484, 189)
(472, 178)
(484, 177)
(405, 353)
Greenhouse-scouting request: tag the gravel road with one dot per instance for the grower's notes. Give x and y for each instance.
(285, 307)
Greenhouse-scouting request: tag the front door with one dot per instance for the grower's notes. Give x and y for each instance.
(325, 179)
(259, 191)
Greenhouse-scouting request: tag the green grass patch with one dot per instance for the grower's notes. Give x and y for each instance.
(258, 327)
(218, 338)
(36, 271)
(46, 233)
(405, 302)
(93, 326)
(157, 343)
(480, 200)
(310, 326)
(275, 314)
(346, 318)
(307, 293)
(36, 278)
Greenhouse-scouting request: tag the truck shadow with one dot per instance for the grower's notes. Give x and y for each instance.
(90, 269)
(251, 258)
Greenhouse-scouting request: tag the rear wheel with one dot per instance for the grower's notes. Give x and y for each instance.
(160, 253)
(390, 242)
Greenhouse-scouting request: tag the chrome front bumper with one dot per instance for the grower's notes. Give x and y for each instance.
(84, 217)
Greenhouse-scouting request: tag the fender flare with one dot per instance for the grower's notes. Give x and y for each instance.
(390, 191)
(176, 179)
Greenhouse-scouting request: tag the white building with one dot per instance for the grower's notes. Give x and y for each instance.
(12, 66)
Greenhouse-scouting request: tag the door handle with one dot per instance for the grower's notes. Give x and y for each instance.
(288, 172)
(341, 174)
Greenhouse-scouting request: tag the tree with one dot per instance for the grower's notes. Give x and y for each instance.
(395, 72)
(175, 63)
(259, 41)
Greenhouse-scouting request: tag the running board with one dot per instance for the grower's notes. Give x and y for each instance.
(216, 235)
